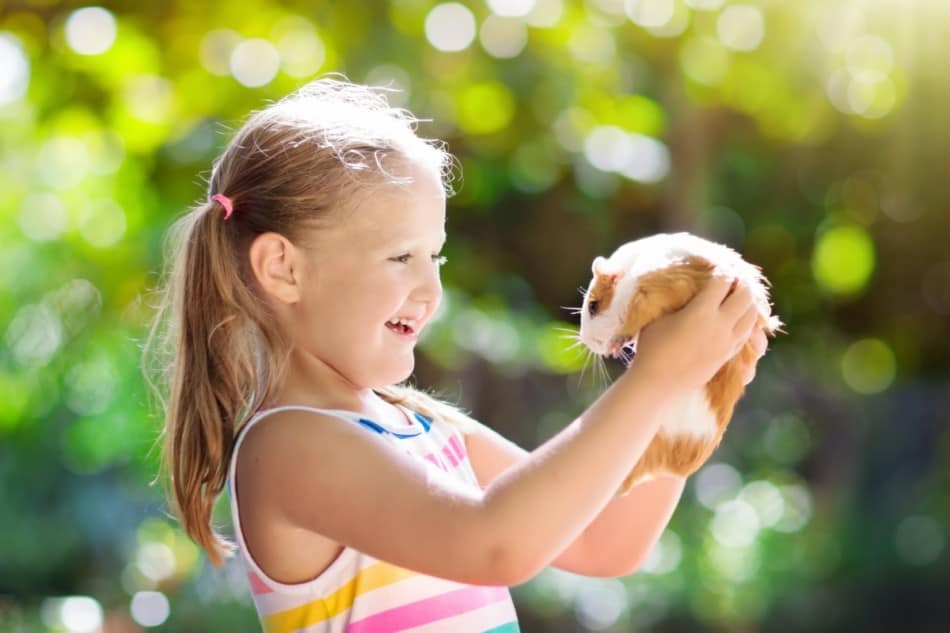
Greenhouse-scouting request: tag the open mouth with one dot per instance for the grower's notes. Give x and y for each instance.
(399, 328)
(403, 327)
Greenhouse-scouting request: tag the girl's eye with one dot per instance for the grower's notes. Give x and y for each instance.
(438, 259)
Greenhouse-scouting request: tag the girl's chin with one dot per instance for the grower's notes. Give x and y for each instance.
(396, 373)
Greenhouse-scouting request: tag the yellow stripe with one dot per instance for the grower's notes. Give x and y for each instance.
(321, 609)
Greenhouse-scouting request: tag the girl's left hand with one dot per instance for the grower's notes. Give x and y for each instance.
(760, 342)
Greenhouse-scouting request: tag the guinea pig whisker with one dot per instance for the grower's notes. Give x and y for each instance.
(590, 359)
(568, 333)
(586, 362)
(604, 374)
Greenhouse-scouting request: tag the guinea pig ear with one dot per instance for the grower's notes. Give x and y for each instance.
(604, 269)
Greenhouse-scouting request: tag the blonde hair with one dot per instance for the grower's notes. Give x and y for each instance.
(213, 354)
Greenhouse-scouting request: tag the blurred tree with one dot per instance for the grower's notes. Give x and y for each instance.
(807, 135)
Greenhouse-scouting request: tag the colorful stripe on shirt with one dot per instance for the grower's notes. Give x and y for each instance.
(465, 599)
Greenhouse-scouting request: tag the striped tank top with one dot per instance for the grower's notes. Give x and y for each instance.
(361, 594)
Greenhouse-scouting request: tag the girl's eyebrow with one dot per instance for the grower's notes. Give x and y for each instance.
(401, 240)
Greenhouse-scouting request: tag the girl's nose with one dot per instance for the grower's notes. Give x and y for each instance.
(430, 285)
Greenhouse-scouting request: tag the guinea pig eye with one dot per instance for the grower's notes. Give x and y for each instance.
(592, 307)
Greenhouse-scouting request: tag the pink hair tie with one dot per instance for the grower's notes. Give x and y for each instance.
(225, 202)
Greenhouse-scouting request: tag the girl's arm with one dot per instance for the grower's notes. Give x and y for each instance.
(546, 502)
(619, 539)
(623, 534)
(307, 471)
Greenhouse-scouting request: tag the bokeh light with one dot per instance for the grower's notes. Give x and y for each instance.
(91, 30)
(868, 366)
(716, 483)
(254, 62)
(741, 27)
(797, 508)
(598, 605)
(665, 556)
(765, 499)
(735, 524)
(705, 5)
(920, 539)
(650, 13)
(215, 51)
(302, 52)
(503, 37)
(74, 614)
(102, 222)
(638, 157)
(484, 107)
(43, 216)
(843, 260)
(150, 608)
(512, 8)
(34, 335)
(14, 69)
(450, 27)
(545, 13)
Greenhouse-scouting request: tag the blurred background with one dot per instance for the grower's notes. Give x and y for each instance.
(812, 136)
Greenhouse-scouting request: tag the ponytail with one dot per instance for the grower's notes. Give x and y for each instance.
(214, 372)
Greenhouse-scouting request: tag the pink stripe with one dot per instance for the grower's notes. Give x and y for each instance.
(456, 443)
(453, 452)
(257, 585)
(450, 455)
(429, 610)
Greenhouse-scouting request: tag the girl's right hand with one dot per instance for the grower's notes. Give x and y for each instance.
(685, 349)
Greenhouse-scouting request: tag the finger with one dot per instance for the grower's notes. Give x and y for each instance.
(746, 324)
(717, 288)
(738, 303)
(759, 341)
(749, 375)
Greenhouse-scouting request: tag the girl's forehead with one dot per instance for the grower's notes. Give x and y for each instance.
(387, 220)
(412, 210)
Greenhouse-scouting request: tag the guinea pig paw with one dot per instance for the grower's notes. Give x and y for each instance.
(621, 345)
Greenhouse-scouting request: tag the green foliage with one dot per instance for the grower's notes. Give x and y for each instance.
(808, 135)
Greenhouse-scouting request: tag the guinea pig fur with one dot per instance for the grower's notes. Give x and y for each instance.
(644, 280)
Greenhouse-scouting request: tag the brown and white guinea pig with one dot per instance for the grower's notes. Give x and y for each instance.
(644, 280)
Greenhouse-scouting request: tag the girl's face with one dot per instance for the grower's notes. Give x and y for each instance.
(380, 263)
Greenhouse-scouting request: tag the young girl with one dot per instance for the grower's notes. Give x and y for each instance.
(295, 297)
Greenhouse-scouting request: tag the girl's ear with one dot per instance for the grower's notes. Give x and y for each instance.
(273, 263)
(602, 268)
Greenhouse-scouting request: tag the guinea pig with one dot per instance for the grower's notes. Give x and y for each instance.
(644, 280)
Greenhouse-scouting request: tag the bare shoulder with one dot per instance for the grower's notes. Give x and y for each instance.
(335, 478)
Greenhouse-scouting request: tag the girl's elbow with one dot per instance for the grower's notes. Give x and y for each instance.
(510, 563)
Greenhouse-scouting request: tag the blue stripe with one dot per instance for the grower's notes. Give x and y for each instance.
(510, 627)
(375, 427)
(426, 422)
